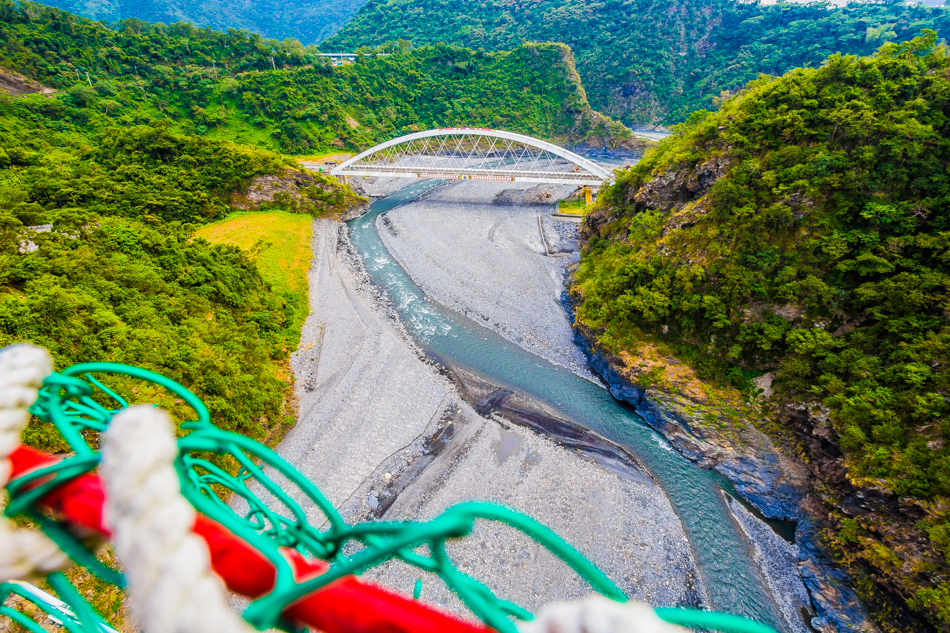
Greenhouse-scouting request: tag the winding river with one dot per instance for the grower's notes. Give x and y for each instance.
(731, 579)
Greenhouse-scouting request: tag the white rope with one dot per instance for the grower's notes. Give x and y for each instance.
(24, 554)
(170, 582)
(597, 614)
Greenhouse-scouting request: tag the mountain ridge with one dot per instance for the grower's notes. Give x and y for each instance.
(646, 62)
(308, 21)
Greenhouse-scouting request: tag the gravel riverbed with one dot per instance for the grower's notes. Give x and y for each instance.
(493, 252)
(386, 435)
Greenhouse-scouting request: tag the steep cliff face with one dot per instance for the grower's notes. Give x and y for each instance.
(781, 268)
(591, 129)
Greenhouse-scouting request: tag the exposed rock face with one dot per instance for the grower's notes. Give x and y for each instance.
(890, 519)
(777, 485)
(771, 481)
(303, 192)
(838, 606)
(677, 188)
(630, 148)
(15, 84)
(673, 190)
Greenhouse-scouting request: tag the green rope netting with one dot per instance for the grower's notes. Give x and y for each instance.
(71, 611)
(222, 471)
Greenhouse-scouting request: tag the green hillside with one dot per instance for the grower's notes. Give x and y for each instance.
(308, 21)
(120, 276)
(646, 61)
(804, 230)
(217, 84)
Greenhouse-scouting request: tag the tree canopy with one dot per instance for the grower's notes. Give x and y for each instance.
(239, 87)
(652, 62)
(804, 229)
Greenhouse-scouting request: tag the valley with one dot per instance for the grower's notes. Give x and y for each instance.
(723, 379)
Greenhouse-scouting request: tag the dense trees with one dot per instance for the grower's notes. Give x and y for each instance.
(529, 90)
(117, 275)
(307, 20)
(646, 61)
(59, 48)
(222, 85)
(804, 229)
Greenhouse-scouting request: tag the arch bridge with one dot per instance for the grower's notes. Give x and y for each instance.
(474, 154)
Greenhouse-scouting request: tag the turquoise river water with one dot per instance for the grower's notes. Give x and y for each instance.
(731, 578)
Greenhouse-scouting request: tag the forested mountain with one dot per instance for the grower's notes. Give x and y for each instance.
(645, 61)
(804, 230)
(216, 84)
(307, 21)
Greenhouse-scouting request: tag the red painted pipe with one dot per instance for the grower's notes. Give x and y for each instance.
(345, 606)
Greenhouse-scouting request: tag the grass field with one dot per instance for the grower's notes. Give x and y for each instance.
(281, 241)
(313, 158)
(573, 207)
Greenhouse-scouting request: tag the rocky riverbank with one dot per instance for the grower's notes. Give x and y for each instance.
(484, 250)
(707, 428)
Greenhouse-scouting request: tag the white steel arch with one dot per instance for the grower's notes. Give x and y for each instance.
(474, 154)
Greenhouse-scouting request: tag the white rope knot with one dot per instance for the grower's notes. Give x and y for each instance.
(24, 554)
(170, 581)
(597, 614)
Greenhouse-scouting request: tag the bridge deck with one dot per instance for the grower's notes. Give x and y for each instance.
(477, 174)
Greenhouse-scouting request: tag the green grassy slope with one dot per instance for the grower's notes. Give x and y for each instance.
(804, 229)
(646, 61)
(278, 241)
